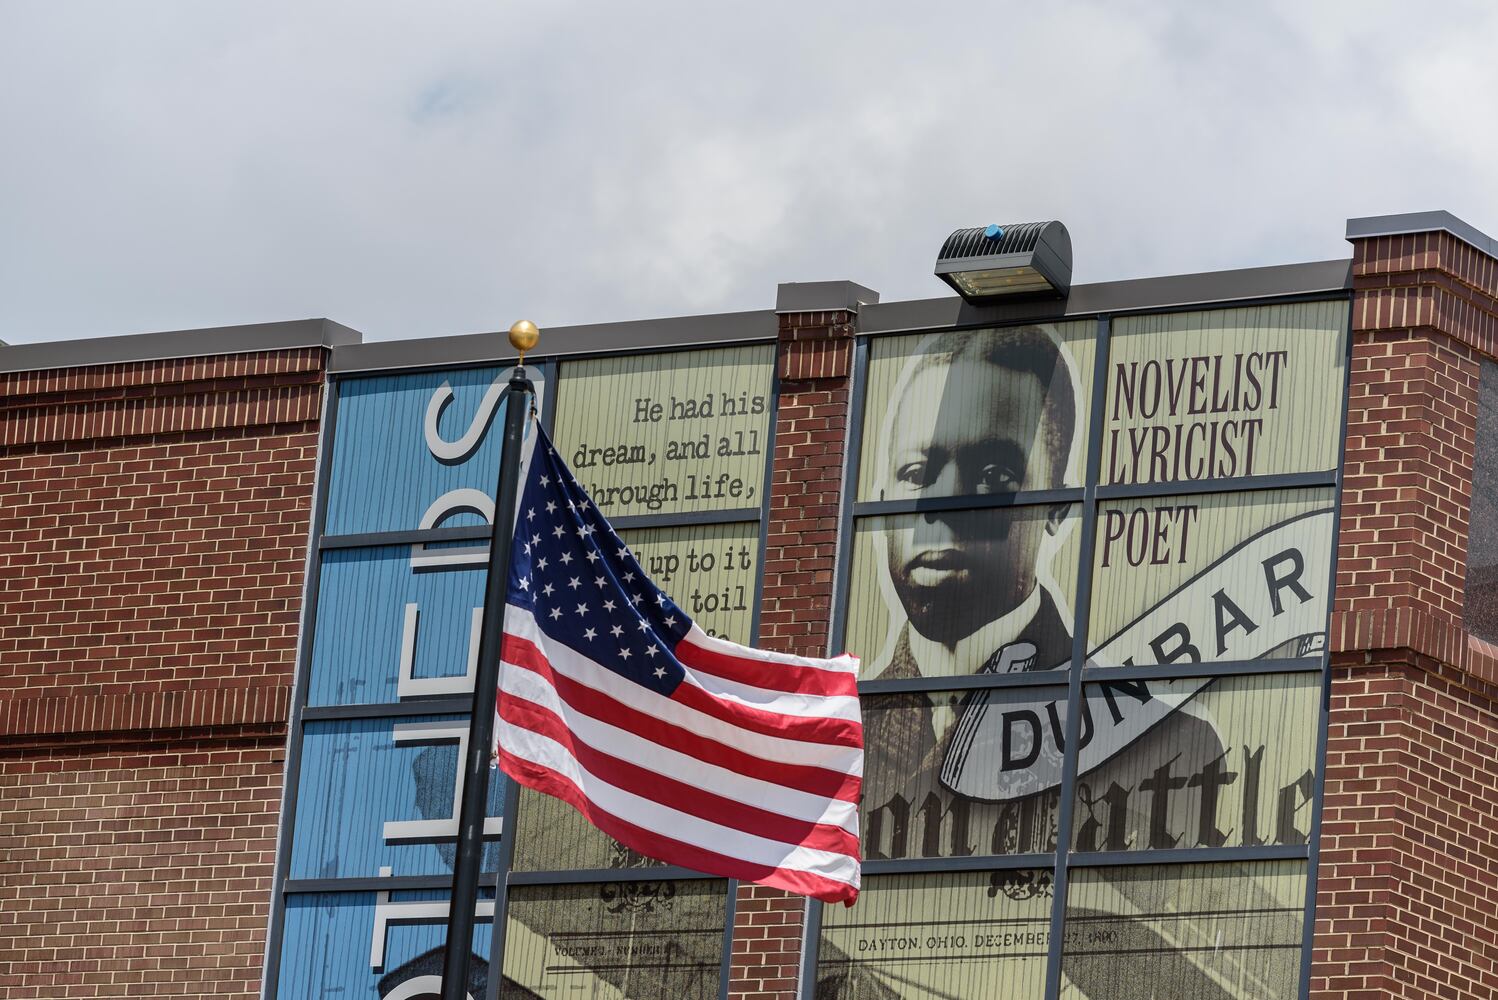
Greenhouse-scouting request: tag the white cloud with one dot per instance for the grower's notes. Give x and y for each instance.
(440, 168)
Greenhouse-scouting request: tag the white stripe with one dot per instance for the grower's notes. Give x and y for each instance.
(669, 763)
(577, 667)
(672, 823)
(792, 703)
(845, 663)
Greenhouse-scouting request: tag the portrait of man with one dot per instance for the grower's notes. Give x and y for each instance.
(977, 413)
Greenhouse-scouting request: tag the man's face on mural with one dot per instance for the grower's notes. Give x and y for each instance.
(985, 434)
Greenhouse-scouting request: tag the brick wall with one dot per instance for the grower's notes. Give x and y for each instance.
(796, 607)
(1407, 901)
(1407, 895)
(153, 524)
(138, 869)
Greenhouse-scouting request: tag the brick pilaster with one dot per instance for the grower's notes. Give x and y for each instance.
(811, 422)
(1406, 897)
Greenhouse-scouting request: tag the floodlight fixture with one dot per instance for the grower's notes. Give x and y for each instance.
(1025, 260)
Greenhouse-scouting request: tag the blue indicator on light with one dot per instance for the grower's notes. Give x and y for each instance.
(994, 232)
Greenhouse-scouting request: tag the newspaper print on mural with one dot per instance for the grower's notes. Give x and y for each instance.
(399, 624)
(1188, 578)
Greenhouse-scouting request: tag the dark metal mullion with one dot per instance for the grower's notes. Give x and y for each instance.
(409, 536)
(725, 964)
(482, 532)
(389, 710)
(1313, 843)
(1235, 484)
(311, 578)
(1082, 609)
(1118, 491)
(683, 519)
(1090, 675)
(1186, 855)
(963, 682)
(811, 942)
(377, 883)
(503, 876)
(551, 375)
(983, 501)
(842, 562)
(767, 486)
(587, 876)
(1221, 668)
(968, 863)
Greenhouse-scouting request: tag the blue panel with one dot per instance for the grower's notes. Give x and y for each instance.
(356, 778)
(384, 475)
(326, 947)
(362, 597)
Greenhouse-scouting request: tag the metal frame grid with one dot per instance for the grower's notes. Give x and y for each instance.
(1062, 860)
(283, 885)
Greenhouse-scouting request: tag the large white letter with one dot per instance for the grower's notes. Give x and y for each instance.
(444, 506)
(408, 686)
(453, 452)
(437, 829)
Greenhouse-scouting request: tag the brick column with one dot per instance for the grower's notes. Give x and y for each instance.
(1407, 899)
(811, 426)
(153, 528)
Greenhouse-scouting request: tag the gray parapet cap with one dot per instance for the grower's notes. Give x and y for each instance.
(217, 340)
(1177, 291)
(1421, 222)
(672, 333)
(822, 296)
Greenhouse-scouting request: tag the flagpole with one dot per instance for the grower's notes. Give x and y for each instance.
(470, 850)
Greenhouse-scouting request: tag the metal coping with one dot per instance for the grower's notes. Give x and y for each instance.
(816, 296)
(1142, 294)
(593, 338)
(1138, 294)
(171, 344)
(351, 355)
(1421, 222)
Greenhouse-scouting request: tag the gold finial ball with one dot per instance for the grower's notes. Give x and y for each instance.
(524, 335)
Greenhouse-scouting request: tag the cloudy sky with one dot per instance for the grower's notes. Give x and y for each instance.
(416, 169)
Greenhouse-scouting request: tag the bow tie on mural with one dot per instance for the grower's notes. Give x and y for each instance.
(682, 746)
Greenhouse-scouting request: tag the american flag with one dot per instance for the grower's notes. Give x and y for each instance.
(683, 747)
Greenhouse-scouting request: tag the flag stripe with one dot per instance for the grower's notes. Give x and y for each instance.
(652, 736)
(808, 729)
(845, 662)
(657, 845)
(696, 709)
(692, 800)
(649, 814)
(767, 676)
(795, 704)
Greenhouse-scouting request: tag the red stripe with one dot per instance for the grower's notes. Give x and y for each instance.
(809, 778)
(670, 850)
(833, 732)
(788, 677)
(677, 794)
